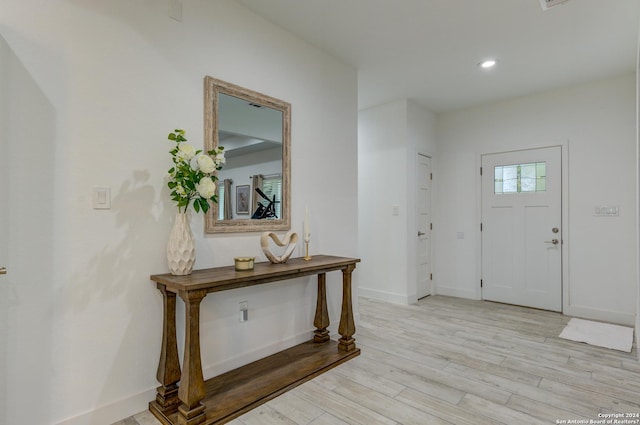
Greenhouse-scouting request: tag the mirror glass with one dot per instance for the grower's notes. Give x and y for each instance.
(253, 185)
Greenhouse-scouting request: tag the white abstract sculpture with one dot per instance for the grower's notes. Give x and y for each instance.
(290, 240)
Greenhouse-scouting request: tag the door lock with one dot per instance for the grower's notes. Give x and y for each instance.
(553, 241)
(555, 230)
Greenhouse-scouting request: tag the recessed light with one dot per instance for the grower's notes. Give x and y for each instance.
(486, 64)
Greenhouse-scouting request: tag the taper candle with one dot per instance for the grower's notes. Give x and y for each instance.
(306, 221)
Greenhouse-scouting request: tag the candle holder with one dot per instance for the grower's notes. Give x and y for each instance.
(244, 263)
(307, 239)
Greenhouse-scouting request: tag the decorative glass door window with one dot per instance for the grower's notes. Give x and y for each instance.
(520, 178)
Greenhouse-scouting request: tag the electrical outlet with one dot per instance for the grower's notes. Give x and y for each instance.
(244, 311)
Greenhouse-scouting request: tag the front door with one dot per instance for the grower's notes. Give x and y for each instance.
(521, 228)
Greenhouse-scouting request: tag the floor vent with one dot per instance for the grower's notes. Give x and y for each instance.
(548, 4)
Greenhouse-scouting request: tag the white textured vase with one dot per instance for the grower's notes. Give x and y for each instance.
(181, 251)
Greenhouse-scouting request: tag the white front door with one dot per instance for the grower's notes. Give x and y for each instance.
(521, 228)
(423, 201)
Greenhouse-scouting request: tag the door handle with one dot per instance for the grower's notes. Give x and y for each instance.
(553, 241)
(421, 233)
(3, 270)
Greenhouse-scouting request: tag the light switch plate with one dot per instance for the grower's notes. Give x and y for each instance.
(101, 198)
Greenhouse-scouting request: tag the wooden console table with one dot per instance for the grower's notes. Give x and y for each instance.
(185, 398)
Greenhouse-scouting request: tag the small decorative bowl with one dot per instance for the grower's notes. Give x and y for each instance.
(244, 263)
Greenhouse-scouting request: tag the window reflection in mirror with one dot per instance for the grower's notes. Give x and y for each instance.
(253, 187)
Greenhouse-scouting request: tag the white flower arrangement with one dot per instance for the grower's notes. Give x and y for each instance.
(192, 175)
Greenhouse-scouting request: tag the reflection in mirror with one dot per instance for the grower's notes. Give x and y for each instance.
(253, 189)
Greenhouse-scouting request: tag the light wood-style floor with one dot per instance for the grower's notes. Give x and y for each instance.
(455, 361)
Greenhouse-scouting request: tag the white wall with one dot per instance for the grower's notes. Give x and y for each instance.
(598, 121)
(112, 79)
(389, 137)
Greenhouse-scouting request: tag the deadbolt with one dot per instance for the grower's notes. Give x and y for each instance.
(3, 270)
(555, 230)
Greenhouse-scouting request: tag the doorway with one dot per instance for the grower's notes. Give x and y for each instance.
(521, 227)
(423, 214)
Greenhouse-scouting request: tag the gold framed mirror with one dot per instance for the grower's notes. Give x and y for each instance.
(254, 184)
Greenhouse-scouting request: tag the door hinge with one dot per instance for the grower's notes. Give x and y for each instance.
(480, 170)
(481, 283)
(430, 226)
(430, 176)
(430, 276)
(481, 227)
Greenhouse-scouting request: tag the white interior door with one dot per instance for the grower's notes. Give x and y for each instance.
(423, 201)
(521, 228)
(4, 228)
(27, 298)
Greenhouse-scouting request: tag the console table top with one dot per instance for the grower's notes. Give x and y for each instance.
(226, 278)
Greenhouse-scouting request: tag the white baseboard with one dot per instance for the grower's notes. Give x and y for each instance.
(456, 292)
(114, 412)
(608, 316)
(118, 410)
(384, 296)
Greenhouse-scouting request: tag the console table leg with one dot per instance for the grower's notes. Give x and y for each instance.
(191, 391)
(321, 321)
(347, 325)
(168, 373)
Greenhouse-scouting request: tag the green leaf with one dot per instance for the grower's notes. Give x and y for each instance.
(205, 205)
(196, 205)
(172, 136)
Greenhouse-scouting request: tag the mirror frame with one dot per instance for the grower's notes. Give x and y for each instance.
(212, 89)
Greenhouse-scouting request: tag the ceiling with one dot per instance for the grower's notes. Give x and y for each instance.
(428, 50)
